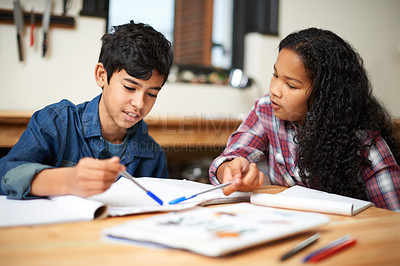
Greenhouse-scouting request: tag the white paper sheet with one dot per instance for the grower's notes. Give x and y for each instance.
(47, 211)
(302, 198)
(123, 198)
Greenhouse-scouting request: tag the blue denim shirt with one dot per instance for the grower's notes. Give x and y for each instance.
(61, 134)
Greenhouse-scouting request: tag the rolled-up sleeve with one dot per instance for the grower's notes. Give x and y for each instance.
(16, 183)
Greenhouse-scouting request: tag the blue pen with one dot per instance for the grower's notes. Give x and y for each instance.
(148, 192)
(175, 201)
(328, 246)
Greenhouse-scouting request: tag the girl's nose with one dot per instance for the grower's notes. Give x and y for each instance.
(275, 88)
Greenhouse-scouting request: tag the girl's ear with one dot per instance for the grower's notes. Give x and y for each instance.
(100, 74)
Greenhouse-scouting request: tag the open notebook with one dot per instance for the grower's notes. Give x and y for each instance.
(123, 198)
(215, 231)
(306, 199)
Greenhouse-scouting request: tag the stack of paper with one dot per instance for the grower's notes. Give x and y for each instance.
(216, 231)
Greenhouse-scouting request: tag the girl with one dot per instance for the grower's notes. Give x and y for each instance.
(320, 127)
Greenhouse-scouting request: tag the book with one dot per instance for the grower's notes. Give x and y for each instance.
(306, 199)
(216, 231)
(123, 198)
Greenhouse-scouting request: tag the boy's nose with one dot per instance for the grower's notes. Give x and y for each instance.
(138, 101)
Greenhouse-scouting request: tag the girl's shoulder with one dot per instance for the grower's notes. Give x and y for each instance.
(376, 143)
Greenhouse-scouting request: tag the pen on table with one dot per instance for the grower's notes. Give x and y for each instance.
(330, 248)
(331, 244)
(148, 192)
(333, 250)
(175, 201)
(300, 246)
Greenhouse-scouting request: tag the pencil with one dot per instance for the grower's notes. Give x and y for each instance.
(300, 246)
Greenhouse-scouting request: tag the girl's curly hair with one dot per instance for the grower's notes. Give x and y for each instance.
(331, 151)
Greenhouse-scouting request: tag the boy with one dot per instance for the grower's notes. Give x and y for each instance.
(80, 149)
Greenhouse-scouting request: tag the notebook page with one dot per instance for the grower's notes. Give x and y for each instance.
(124, 197)
(47, 210)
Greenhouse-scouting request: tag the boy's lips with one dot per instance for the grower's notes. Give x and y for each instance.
(132, 115)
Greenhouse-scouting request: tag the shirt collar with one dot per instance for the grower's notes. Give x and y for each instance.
(90, 119)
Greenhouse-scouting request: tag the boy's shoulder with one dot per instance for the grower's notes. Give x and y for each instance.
(63, 111)
(64, 106)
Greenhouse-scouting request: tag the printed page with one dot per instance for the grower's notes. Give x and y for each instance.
(217, 231)
(124, 197)
(50, 210)
(302, 198)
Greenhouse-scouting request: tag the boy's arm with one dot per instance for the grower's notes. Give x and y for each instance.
(87, 178)
(36, 150)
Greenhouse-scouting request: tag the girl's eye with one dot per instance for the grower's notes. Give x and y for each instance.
(292, 87)
(275, 75)
(152, 95)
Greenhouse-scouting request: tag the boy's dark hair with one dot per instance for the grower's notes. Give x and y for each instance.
(138, 49)
(331, 152)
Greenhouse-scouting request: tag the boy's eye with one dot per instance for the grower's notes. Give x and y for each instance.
(275, 75)
(129, 88)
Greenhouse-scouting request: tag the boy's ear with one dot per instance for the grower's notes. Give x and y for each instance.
(100, 75)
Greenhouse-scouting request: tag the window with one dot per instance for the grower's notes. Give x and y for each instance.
(198, 41)
(203, 32)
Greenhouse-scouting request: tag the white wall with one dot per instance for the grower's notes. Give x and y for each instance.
(371, 26)
(68, 71)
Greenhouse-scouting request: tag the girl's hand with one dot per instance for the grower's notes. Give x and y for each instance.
(244, 175)
(92, 176)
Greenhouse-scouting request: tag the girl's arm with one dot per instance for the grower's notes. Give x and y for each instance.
(245, 175)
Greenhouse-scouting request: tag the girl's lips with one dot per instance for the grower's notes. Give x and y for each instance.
(275, 105)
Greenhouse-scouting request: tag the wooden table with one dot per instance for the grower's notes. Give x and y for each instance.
(76, 244)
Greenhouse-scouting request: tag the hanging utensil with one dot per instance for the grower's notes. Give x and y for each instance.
(46, 24)
(32, 27)
(19, 22)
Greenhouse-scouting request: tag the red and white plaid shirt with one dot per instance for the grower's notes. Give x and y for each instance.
(262, 135)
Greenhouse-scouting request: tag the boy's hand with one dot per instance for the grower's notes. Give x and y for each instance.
(245, 175)
(92, 176)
